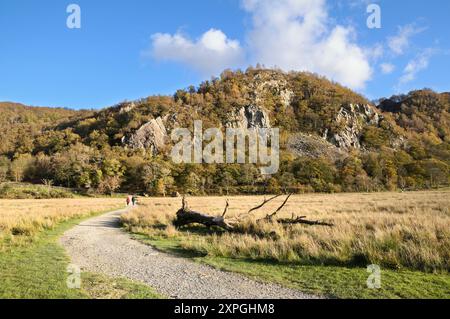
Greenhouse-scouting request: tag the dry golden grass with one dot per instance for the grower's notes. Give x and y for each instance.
(22, 219)
(395, 230)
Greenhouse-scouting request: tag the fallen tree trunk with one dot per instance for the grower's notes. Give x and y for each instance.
(185, 216)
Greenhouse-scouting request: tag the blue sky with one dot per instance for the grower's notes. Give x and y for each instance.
(136, 48)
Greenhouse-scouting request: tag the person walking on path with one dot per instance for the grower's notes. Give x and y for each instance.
(129, 200)
(134, 200)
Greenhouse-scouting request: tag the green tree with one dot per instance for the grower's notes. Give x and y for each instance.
(318, 173)
(98, 140)
(51, 142)
(273, 187)
(227, 181)
(287, 182)
(156, 176)
(390, 177)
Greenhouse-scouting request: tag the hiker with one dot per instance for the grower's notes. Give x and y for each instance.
(134, 200)
(129, 199)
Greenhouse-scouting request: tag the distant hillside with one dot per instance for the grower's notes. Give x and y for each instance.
(332, 138)
(19, 124)
(295, 101)
(422, 111)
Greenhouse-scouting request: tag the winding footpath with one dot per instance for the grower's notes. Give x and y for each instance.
(99, 245)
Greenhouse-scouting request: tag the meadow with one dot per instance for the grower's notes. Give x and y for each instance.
(33, 264)
(406, 234)
(22, 220)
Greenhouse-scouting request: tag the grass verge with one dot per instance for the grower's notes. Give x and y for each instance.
(326, 281)
(38, 271)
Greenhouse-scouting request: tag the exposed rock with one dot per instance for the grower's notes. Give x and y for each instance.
(399, 142)
(126, 107)
(313, 146)
(171, 121)
(249, 117)
(351, 119)
(152, 136)
(254, 115)
(273, 83)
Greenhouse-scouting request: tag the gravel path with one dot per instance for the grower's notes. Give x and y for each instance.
(99, 245)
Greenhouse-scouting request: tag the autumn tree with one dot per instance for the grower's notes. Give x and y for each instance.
(19, 166)
(4, 168)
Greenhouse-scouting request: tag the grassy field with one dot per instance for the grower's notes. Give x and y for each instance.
(22, 220)
(34, 265)
(406, 234)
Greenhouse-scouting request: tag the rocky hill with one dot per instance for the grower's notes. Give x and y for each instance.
(295, 102)
(332, 139)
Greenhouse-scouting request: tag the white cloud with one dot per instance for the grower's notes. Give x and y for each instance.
(210, 54)
(387, 68)
(375, 52)
(288, 34)
(296, 35)
(400, 42)
(416, 65)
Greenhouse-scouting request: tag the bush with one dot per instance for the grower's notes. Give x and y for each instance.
(25, 191)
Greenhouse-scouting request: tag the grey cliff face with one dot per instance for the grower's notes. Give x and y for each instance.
(152, 137)
(352, 119)
(249, 117)
(254, 115)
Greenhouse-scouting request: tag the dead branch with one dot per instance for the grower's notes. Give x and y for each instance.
(239, 218)
(184, 205)
(226, 209)
(263, 203)
(302, 220)
(271, 216)
(294, 220)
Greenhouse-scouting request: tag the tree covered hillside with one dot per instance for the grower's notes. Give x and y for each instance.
(332, 139)
(20, 124)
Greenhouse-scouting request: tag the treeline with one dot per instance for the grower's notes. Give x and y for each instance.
(85, 168)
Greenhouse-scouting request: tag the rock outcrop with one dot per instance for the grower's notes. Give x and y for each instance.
(254, 115)
(271, 82)
(151, 137)
(126, 107)
(249, 117)
(351, 120)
